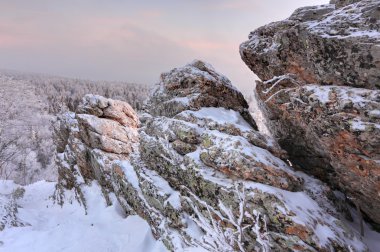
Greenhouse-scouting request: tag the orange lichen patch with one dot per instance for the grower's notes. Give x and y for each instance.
(345, 135)
(118, 171)
(226, 171)
(348, 140)
(298, 247)
(283, 107)
(215, 217)
(300, 71)
(318, 111)
(344, 140)
(333, 96)
(299, 231)
(341, 145)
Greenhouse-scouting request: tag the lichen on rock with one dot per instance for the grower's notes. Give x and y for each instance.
(102, 130)
(320, 77)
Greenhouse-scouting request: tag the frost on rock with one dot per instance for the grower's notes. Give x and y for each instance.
(356, 19)
(194, 86)
(102, 131)
(327, 44)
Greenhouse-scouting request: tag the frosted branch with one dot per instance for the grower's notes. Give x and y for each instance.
(277, 80)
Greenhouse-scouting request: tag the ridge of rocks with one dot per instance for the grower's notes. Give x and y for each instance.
(201, 174)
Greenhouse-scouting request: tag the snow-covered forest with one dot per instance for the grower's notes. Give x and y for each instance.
(30, 103)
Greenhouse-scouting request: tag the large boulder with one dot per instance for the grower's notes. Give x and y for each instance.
(325, 44)
(194, 86)
(320, 72)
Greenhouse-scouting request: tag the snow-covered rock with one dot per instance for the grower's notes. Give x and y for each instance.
(203, 177)
(328, 44)
(320, 76)
(102, 130)
(227, 181)
(194, 86)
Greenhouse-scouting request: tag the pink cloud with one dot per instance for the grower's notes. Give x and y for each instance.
(207, 46)
(151, 14)
(236, 5)
(18, 34)
(8, 41)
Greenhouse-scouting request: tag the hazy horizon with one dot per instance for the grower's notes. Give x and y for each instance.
(129, 41)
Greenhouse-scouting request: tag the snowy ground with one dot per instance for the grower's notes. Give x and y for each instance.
(371, 237)
(55, 228)
(67, 228)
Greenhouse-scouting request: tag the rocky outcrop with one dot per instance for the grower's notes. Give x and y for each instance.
(223, 139)
(102, 130)
(201, 174)
(320, 72)
(194, 86)
(321, 45)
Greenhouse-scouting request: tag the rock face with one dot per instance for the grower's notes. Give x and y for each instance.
(102, 130)
(322, 45)
(202, 175)
(320, 72)
(194, 86)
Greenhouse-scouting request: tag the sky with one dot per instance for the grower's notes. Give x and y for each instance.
(133, 41)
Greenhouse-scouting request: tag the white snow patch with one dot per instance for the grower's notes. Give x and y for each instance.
(352, 14)
(320, 92)
(261, 155)
(67, 228)
(357, 125)
(371, 237)
(193, 230)
(359, 97)
(374, 113)
(184, 100)
(164, 187)
(306, 211)
(130, 174)
(221, 116)
(324, 233)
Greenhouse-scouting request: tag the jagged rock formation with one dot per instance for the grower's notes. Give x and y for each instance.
(200, 173)
(102, 130)
(320, 72)
(322, 44)
(194, 86)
